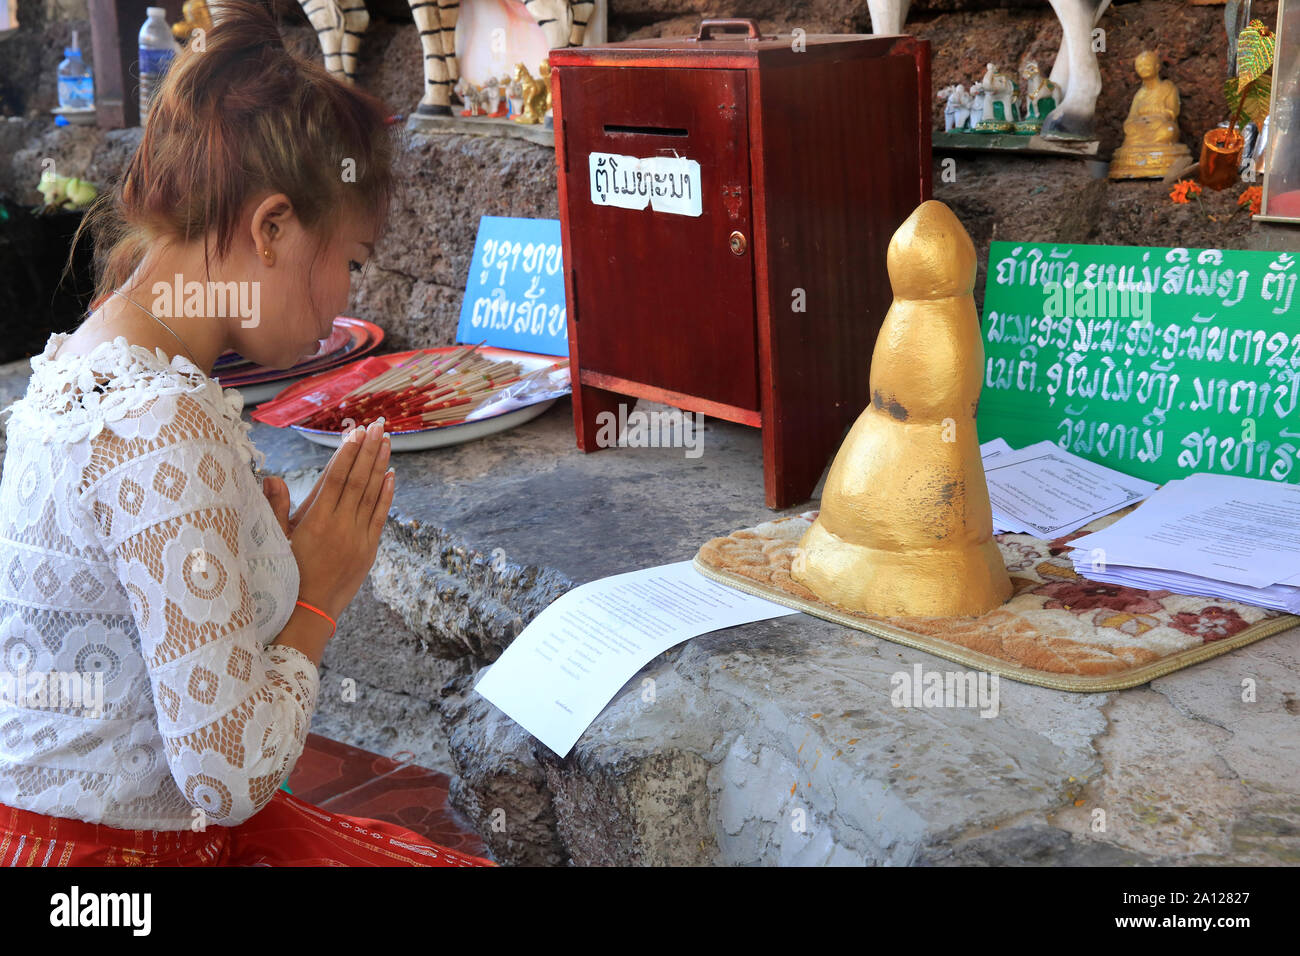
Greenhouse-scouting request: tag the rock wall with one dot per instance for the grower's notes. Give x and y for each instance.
(965, 34)
(416, 282)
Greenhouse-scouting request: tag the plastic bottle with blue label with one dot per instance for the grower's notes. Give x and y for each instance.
(76, 85)
(157, 47)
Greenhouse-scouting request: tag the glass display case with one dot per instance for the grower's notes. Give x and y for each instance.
(1281, 201)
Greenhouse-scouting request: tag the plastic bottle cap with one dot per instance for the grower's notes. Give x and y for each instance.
(155, 11)
(71, 51)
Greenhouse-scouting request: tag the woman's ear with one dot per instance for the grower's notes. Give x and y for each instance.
(269, 223)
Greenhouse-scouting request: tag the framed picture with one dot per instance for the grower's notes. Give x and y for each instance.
(1281, 200)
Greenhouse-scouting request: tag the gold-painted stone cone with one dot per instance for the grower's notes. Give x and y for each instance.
(905, 526)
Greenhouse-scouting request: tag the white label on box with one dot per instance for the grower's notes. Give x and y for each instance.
(664, 183)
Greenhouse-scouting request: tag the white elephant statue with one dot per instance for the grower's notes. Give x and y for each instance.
(339, 25)
(562, 23)
(999, 88)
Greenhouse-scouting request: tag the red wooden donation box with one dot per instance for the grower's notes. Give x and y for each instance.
(726, 202)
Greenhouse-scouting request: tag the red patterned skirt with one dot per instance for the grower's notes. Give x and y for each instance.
(286, 832)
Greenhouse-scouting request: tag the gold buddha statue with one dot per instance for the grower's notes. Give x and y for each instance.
(1151, 147)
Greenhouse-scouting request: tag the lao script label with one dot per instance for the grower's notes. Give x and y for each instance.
(1158, 362)
(514, 293)
(664, 183)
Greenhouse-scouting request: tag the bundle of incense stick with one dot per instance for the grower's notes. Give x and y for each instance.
(426, 390)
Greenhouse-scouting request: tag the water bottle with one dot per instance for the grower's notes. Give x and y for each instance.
(157, 47)
(76, 85)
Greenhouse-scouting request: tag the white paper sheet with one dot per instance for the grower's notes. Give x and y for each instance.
(665, 183)
(988, 451)
(1046, 491)
(570, 661)
(1241, 530)
(994, 447)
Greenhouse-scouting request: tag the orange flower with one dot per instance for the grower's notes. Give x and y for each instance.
(1253, 195)
(1184, 188)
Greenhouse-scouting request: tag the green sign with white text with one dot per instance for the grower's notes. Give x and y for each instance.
(1155, 362)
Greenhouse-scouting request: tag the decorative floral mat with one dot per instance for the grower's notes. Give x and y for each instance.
(1058, 629)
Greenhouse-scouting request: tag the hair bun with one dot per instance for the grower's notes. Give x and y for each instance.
(251, 18)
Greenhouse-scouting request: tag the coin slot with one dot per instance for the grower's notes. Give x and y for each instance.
(645, 130)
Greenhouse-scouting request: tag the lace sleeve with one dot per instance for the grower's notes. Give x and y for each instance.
(233, 714)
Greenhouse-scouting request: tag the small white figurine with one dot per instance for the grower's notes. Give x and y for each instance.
(503, 106)
(948, 95)
(956, 111)
(515, 94)
(999, 88)
(491, 97)
(468, 94)
(1037, 89)
(977, 99)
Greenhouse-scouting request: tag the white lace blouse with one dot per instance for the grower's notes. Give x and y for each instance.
(136, 544)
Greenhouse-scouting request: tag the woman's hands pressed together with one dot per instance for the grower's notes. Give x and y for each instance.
(335, 532)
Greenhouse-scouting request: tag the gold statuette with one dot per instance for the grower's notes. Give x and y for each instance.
(1151, 146)
(536, 92)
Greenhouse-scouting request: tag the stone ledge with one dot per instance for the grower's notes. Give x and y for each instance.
(482, 126)
(756, 728)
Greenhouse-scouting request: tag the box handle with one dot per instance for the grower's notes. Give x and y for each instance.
(750, 26)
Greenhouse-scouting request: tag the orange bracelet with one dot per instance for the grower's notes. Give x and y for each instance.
(321, 613)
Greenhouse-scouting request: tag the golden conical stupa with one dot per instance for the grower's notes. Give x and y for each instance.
(905, 527)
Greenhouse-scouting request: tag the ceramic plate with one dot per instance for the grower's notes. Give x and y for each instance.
(233, 364)
(365, 337)
(443, 435)
(361, 337)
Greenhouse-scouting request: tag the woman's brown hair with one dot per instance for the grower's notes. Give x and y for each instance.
(234, 118)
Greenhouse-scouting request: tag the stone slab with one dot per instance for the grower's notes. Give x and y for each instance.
(482, 126)
(777, 742)
(1011, 142)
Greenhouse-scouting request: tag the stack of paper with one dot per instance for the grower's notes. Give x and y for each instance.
(1045, 491)
(1213, 535)
(989, 450)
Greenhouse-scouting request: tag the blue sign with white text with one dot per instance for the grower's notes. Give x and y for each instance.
(514, 297)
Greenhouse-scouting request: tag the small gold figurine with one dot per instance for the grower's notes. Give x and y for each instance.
(1151, 147)
(194, 16)
(905, 527)
(536, 92)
